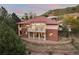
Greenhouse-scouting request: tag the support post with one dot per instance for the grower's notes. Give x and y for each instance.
(33, 35)
(18, 30)
(39, 36)
(44, 36)
(28, 34)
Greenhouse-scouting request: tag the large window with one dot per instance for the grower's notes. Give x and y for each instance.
(37, 35)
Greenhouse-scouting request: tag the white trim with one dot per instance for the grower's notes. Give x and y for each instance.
(52, 27)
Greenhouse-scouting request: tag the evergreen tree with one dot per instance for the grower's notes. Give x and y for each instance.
(15, 17)
(10, 43)
(10, 22)
(3, 12)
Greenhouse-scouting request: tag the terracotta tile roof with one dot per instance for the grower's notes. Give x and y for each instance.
(39, 20)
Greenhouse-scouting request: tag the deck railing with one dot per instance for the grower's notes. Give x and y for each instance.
(36, 30)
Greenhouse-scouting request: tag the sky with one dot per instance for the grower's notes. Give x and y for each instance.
(39, 9)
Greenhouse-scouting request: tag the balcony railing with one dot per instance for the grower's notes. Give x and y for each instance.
(36, 30)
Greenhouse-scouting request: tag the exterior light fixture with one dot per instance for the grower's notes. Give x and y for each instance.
(50, 34)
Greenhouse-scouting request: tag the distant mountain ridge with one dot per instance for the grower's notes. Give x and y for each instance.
(62, 11)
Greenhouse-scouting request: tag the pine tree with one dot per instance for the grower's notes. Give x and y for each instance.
(10, 43)
(3, 12)
(15, 17)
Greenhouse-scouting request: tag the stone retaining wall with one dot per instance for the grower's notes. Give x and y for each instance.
(49, 47)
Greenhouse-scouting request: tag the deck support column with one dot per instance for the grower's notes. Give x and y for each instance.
(33, 35)
(28, 34)
(19, 30)
(44, 36)
(39, 36)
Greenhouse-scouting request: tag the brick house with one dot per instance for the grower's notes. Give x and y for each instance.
(40, 28)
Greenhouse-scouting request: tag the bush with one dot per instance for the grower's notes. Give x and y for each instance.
(10, 43)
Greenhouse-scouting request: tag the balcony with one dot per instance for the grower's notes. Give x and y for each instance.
(36, 30)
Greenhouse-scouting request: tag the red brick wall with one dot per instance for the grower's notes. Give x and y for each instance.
(52, 34)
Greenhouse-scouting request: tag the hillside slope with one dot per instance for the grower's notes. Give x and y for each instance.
(63, 11)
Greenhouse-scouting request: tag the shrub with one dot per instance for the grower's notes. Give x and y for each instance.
(10, 43)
